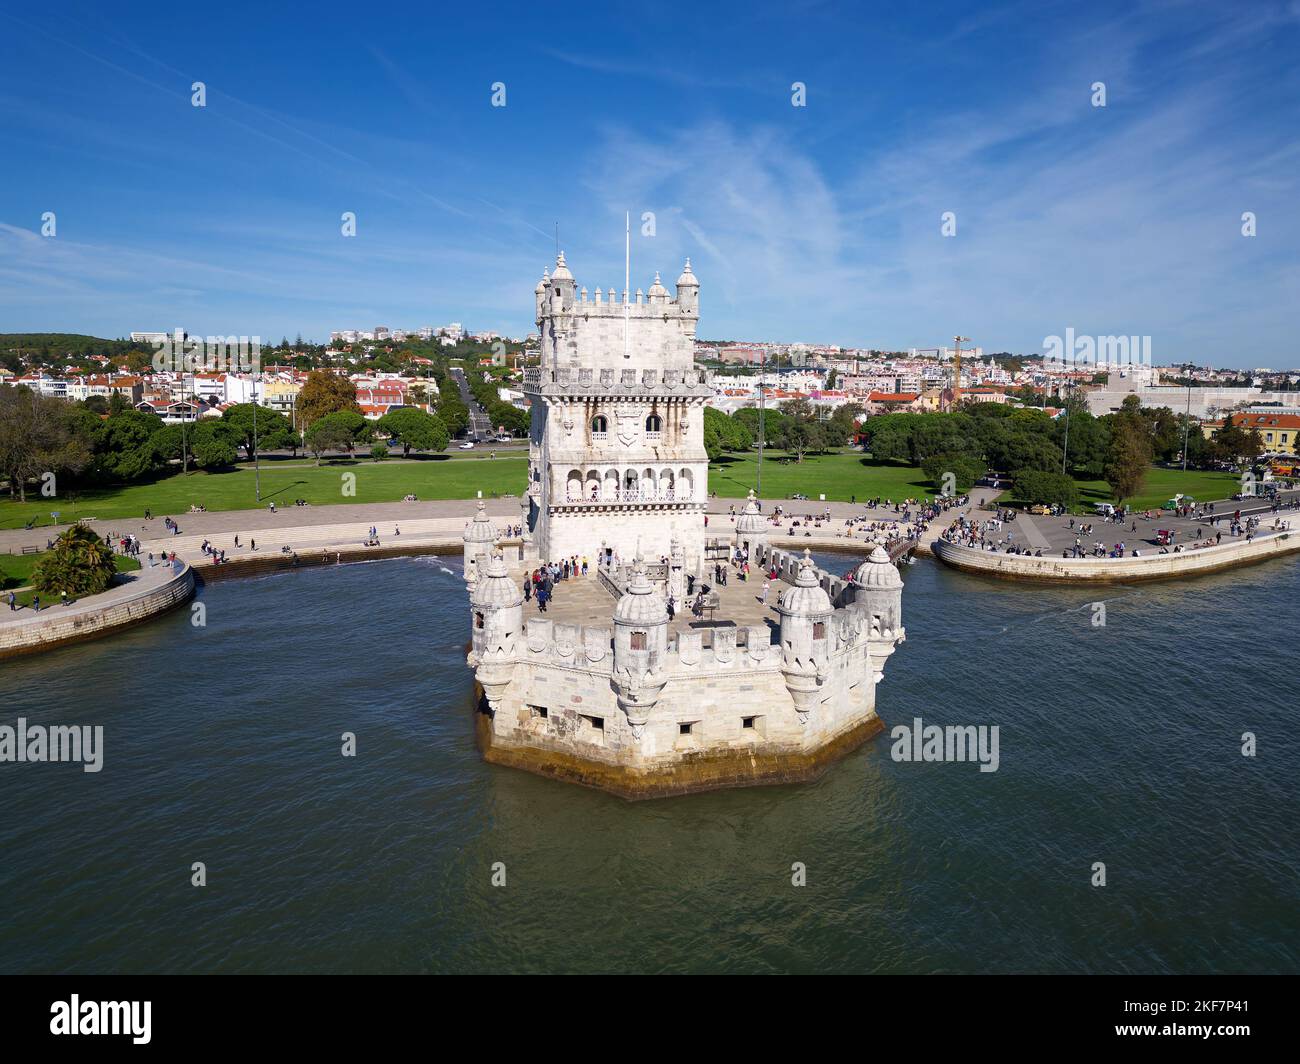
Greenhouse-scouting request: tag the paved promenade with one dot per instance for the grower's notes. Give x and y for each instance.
(1055, 534)
(310, 527)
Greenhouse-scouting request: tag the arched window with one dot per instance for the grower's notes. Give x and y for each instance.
(599, 427)
(654, 424)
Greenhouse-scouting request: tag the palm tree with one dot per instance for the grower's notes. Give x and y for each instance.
(80, 564)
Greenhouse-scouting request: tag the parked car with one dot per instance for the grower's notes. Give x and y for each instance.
(1042, 510)
(468, 445)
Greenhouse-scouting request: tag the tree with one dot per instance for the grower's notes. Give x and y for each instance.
(1129, 455)
(844, 422)
(723, 433)
(81, 564)
(773, 423)
(273, 428)
(962, 469)
(323, 393)
(38, 435)
(800, 436)
(214, 445)
(411, 427)
(509, 417)
(799, 408)
(326, 436)
(354, 423)
(1084, 438)
(125, 445)
(1051, 489)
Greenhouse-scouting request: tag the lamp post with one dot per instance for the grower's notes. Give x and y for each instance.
(257, 469)
(762, 392)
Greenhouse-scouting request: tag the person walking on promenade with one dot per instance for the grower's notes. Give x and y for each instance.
(12, 601)
(36, 603)
(763, 597)
(542, 596)
(528, 588)
(669, 605)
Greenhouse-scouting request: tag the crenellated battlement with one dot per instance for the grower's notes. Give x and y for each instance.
(604, 329)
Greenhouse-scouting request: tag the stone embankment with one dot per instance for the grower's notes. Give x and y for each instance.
(134, 598)
(1153, 566)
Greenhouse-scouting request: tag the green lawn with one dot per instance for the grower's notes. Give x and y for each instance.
(1161, 486)
(16, 571)
(837, 476)
(437, 478)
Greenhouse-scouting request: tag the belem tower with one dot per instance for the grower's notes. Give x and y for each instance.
(604, 687)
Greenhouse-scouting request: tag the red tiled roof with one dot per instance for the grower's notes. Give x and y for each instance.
(1267, 421)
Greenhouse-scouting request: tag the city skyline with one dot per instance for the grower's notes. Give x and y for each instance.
(817, 223)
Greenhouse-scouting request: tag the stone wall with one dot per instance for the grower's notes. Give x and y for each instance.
(725, 716)
(1170, 566)
(60, 625)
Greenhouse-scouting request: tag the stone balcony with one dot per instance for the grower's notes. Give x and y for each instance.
(575, 381)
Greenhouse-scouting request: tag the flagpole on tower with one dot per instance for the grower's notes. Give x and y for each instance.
(627, 284)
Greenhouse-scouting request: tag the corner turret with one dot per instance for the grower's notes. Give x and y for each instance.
(478, 537)
(805, 612)
(496, 623)
(878, 595)
(751, 528)
(640, 649)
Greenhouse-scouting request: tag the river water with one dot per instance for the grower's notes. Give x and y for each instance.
(1119, 744)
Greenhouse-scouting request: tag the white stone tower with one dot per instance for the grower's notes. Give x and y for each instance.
(616, 450)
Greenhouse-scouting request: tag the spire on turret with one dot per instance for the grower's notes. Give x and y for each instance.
(688, 291)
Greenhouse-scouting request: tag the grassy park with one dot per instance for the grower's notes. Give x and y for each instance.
(282, 481)
(1163, 484)
(837, 475)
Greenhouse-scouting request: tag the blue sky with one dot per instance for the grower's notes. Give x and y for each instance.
(819, 224)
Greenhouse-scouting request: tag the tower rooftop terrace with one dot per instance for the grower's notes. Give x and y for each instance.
(585, 601)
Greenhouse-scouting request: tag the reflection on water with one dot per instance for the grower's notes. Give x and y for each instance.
(1118, 744)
